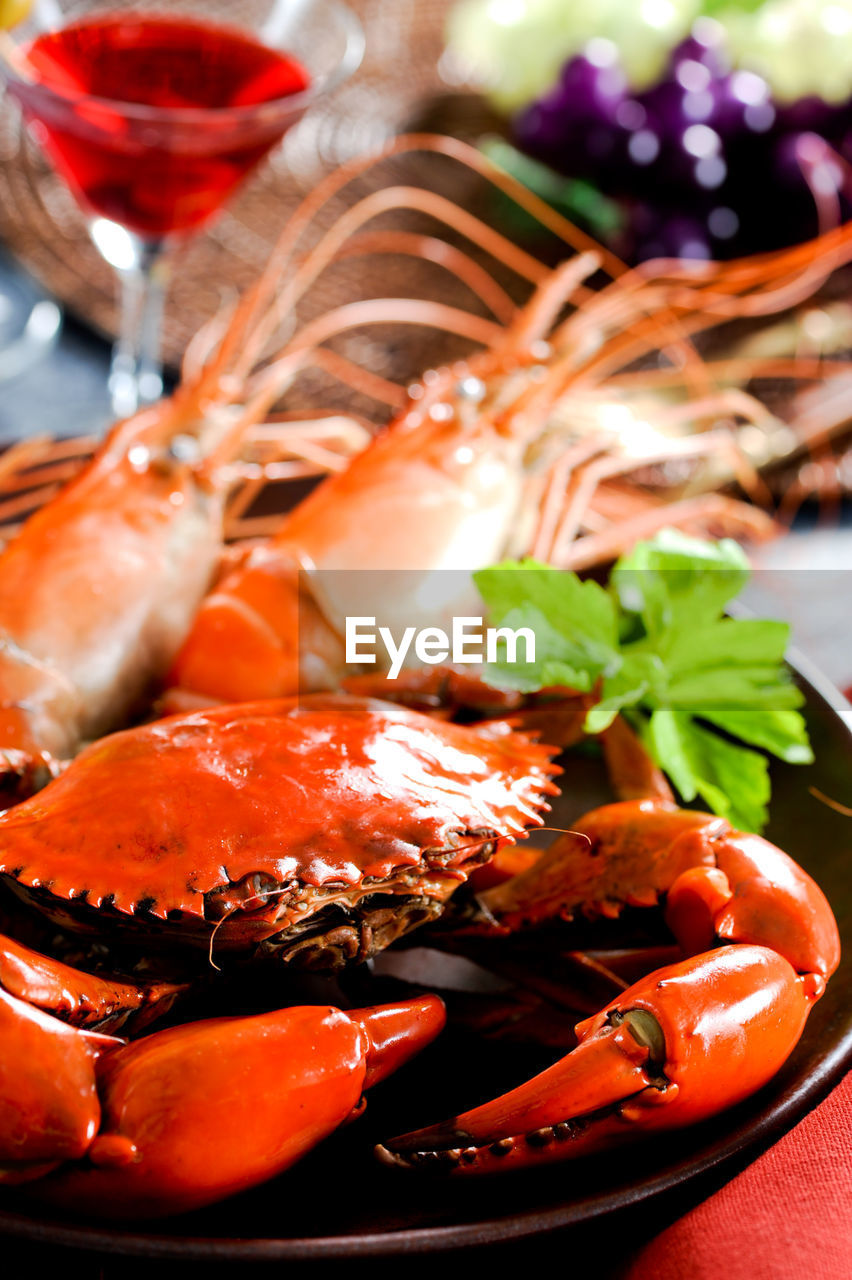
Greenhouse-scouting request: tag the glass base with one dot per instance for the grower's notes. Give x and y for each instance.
(29, 322)
(129, 386)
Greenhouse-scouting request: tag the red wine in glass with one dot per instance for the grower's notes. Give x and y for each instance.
(176, 180)
(153, 118)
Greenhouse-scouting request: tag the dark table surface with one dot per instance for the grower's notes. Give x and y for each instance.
(804, 578)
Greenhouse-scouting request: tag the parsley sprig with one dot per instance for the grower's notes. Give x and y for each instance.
(709, 694)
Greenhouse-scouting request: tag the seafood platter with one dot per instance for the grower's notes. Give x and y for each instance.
(267, 910)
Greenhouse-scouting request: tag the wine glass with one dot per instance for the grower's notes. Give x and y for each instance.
(210, 87)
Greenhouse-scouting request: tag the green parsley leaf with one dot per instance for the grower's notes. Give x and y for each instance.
(729, 642)
(559, 660)
(709, 694)
(674, 581)
(783, 733)
(732, 780)
(575, 625)
(638, 677)
(663, 736)
(745, 686)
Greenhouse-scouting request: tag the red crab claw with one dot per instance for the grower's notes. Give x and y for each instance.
(81, 999)
(196, 1113)
(396, 1032)
(697, 1036)
(684, 1043)
(719, 884)
(49, 1105)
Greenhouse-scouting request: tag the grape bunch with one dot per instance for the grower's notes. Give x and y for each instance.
(704, 162)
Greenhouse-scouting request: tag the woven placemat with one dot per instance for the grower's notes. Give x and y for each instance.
(397, 88)
(41, 224)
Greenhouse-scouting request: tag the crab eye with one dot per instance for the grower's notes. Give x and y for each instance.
(252, 893)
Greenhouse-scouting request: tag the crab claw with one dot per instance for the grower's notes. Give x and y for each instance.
(684, 1043)
(50, 1109)
(627, 853)
(81, 999)
(755, 893)
(198, 1112)
(719, 884)
(49, 1106)
(396, 1032)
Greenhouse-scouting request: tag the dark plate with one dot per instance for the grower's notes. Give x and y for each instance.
(340, 1203)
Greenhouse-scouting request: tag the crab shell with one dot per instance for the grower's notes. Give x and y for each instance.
(319, 827)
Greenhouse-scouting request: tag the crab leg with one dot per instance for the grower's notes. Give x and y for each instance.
(49, 1105)
(683, 1043)
(81, 999)
(195, 1113)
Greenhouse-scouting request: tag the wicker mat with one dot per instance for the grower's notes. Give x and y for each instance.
(398, 87)
(40, 222)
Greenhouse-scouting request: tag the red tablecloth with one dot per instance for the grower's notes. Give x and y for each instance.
(788, 1216)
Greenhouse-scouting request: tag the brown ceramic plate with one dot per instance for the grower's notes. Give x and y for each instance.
(376, 1212)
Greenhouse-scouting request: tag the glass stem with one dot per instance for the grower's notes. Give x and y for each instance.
(136, 375)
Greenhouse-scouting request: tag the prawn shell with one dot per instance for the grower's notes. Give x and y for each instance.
(324, 791)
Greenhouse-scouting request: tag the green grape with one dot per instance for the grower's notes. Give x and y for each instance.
(514, 49)
(645, 33)
(801, 47)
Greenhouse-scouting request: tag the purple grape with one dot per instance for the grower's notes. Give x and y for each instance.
(706, 46)
(690, 150)
(814, 115)
(707, 163)
(579, 113)
(723, 223)
(585, 92)
(661, 232)
(671, 108)
(742, 103)
(596, 80)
